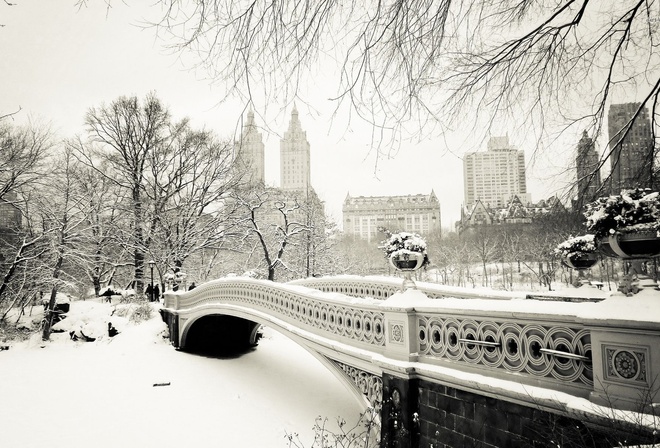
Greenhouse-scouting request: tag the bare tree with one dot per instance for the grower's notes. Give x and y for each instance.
(312, 253)
(483, 241)
(272, 219)
(188, 184)
(61, 216)
(102, 239)
(123, 137)
(429, 61)
(22, 152)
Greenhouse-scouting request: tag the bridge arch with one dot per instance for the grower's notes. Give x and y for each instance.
(219, 334)
(364, 386)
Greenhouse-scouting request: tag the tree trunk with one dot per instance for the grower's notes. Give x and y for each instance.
(96, 276)
(14, 265)
(138, 255)
(49, 313)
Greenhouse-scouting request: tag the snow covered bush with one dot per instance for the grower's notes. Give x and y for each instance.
(135, 312)
(88, 321)
(399, 244)
(632, 211)
(576, 247)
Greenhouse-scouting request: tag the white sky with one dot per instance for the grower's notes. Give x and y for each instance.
(58, 61)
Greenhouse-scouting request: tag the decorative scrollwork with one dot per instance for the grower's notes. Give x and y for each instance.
(369, 384)
(396, 332)
(626, 364)
(514, 347)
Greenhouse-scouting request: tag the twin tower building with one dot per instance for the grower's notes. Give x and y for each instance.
(294, 155)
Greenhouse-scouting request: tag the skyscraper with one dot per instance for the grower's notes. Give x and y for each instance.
(250, 152)
(587, 164)
(631, 147)
(294, 156)
(496, 175)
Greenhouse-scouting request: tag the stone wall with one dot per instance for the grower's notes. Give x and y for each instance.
(452, 418)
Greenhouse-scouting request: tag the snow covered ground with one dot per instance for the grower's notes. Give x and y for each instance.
(102, 394)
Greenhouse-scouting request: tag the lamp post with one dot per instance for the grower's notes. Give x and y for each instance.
(151, 293)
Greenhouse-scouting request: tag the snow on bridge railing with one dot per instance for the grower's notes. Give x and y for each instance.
(381, 287)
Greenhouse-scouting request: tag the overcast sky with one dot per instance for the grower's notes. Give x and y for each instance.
(57, 61)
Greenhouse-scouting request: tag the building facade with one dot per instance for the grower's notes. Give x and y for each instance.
(295, 164)
(11, 221)
(496, 175)
(587, 163)
(514, 213)
(250, 152)
(631, 147)
(366, 216)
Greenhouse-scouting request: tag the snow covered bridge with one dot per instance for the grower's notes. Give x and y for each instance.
(448, 366)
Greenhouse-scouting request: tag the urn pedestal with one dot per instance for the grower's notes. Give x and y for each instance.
(581, 262)
(634, 247)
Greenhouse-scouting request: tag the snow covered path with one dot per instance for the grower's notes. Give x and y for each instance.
(101, 394)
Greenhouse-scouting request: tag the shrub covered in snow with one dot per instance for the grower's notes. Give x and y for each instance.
(632, 211)
(399, 244)
(576, 247)
(60, 299)
(135, 312)
(89, 321)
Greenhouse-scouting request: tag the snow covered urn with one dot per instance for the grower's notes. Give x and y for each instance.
(627, 226)
(406, 252)
(578, 253)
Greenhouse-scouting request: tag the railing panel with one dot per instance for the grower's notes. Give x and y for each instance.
(519, 347)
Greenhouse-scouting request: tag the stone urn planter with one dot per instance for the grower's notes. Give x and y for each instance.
(406, 252)
(579, 253)
(644, 244)
(626, 227)
(407, 261)
(605, 249)
(581, 262)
